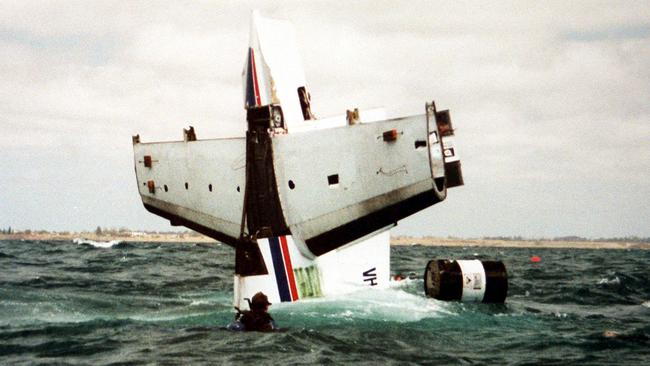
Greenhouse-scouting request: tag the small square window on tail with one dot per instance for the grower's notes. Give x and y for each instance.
(420, 144)
(333, 180)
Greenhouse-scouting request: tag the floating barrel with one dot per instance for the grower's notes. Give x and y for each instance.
(466, 280)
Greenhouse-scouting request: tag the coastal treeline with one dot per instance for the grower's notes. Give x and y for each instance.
(573, 238)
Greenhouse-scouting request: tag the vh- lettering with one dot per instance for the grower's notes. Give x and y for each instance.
(370, 276)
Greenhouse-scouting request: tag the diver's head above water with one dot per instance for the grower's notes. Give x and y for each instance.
(260, 302)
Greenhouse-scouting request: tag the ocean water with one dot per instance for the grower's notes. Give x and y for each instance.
(167, 304)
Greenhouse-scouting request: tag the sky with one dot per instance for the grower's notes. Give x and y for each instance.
(550, 101)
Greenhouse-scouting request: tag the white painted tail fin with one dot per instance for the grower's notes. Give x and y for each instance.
(273, 72)
(291, 276)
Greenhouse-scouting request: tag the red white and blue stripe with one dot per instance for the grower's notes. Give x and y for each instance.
(283, 269)
(253, 98)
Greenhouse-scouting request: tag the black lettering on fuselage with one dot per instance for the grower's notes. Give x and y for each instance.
(370, 276)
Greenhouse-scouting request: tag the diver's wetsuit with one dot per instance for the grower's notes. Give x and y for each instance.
(257, 320)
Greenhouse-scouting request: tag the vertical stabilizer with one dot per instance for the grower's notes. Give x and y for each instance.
(273, 72)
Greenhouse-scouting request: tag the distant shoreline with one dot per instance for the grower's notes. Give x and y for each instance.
(192, 237)
(182, 237)
(453, 242)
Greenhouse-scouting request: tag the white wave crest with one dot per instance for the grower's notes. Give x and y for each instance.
(199, 302)
(646, 304)
(604, 281)
(406, 282)
(96, 244)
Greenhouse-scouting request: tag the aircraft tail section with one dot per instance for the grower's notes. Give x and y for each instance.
(273, 72)
(327, 183)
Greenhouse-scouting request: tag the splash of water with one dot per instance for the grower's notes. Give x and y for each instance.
(391, 304)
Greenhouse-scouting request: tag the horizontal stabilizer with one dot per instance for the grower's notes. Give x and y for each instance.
(198, 184)
(337, 185)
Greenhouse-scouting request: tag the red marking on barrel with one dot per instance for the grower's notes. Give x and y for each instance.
(289, 268)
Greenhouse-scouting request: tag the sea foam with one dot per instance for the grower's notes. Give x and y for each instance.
(391, 304)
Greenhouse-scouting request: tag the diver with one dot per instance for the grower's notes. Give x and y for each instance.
(257, 318)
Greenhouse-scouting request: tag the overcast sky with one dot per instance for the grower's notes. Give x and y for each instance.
(550, 100)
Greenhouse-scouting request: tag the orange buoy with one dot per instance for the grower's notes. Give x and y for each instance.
(535, 259)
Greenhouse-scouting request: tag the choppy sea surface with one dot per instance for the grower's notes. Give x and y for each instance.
(161, 303)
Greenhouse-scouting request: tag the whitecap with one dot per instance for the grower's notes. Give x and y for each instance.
(199, 302)
(96, 244)
(646, 304)
(393, 283)
(604, 281)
